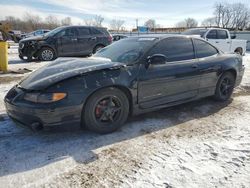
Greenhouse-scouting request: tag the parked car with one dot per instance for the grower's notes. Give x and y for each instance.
(64, 41)
(117, 37)
(220, 38)
(36, 33)
(131, 76)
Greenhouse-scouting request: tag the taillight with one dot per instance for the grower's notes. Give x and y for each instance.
(110, 38)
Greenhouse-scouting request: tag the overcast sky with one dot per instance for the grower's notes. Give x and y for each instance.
(166, 12)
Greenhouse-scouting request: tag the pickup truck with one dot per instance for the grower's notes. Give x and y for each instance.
(221, 39)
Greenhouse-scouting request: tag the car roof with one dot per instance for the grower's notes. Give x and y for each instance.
(206, 28)
(83, 26)
(163, 36)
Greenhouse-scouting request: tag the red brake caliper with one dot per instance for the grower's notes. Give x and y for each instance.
(98, 110)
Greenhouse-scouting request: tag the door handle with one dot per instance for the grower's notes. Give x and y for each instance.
(228, 42)
(217, 42)
(74, 39)
(93, 38)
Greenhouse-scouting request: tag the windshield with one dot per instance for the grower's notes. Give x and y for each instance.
(53, 32)
(127, 50)
(200, 32)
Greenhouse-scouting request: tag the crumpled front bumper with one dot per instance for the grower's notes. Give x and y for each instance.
(26, 50)
(29, 114)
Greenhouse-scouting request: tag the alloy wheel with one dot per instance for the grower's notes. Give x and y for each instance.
(47, 55)
(226, 87)
(107, 109)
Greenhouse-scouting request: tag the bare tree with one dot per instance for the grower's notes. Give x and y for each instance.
(33, 21)
(223, 14)
(116, 25)
(16, 23)
(181, 24)
(188, 23)
(98, 20)
(209, 22)
(52, 22)
(233, 16)
(95, 21)
(88, 22)
(66, 21)
(151, 24)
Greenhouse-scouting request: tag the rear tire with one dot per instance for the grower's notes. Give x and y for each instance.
(106, 110)
(46, 54)
(239, 51)
(97, 48)
(225, 86)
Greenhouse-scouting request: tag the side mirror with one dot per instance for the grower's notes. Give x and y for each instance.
(233, 37)
(157, 59)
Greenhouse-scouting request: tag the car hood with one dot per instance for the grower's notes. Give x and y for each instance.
(33, 38)
(64, 68)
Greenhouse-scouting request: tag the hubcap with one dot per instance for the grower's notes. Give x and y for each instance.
(226, 87)
(47, 55)
(108, 109)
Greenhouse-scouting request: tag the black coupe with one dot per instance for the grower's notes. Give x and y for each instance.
(131, 76)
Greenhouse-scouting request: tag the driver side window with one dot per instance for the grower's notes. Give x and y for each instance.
(175, 49)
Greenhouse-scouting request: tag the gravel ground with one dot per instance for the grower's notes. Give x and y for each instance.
(198, 144)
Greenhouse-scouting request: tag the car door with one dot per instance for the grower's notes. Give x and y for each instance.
(220, 39)
(177, 79)
(211, 37)
(223, 40)
(209, 66)
(66, 41)
(85, 41)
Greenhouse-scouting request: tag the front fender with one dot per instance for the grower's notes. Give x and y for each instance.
(87, 84)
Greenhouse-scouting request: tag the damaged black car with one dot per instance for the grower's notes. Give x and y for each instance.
(129, 77)
(64, 41)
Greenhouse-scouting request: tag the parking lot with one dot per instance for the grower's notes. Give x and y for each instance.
(203, 143)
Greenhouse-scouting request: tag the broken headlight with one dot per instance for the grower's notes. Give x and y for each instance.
(21, 45)
(44, 97)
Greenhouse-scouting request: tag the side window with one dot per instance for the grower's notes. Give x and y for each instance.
(39, 32)
(83, 31)
(175, 49)
(212, 34)
(203, 49)
(95, 31)
(222, 34)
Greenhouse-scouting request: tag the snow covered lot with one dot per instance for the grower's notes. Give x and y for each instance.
(199, 144)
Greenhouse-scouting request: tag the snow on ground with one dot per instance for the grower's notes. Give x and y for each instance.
(18, 69)
(198, 144)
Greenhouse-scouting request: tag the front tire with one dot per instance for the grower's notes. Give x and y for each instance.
(46, 54)
(106, 110)
(225, 86)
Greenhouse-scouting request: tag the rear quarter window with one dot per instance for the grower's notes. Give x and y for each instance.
(96, 31)
(203, 49)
